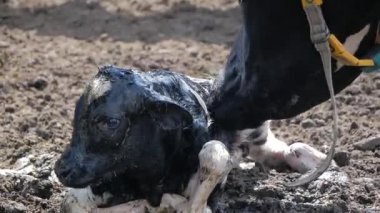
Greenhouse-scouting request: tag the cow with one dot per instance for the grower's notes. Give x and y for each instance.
(141, 137)
(275, 72)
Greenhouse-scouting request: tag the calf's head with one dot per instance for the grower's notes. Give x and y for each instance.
(121, 126)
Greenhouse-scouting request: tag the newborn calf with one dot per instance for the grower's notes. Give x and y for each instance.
(139, 137)
(141, 142)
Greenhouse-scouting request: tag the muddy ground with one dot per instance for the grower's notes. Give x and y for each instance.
(50, 48)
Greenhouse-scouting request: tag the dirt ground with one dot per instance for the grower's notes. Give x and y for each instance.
(50, 48)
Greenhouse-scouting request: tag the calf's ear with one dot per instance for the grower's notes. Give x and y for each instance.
(170, 116)
(78, 110)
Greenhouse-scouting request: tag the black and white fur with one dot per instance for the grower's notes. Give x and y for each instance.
(141, 136)
(187, 191)
(274, 72)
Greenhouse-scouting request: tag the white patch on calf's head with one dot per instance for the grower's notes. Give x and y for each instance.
(97, 88)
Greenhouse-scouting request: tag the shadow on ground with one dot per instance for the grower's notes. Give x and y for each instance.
(83, 21)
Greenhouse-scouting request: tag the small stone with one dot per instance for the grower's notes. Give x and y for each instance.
(91, 4)
(10, 109)
(364, 199)
(368, 144)
(369, 187)
(39, 84)
(193, 54)
(43, 134)
(377, 85)
(39, 188)
(376, 182)
(364, 112)
(354, 125)
(320, 122)
(334, 177)
(349, 99)
(47, 97)
(104, 36)
(342, 158)
(353, 90)
(22, 163)
(307, 123)
(4, 44)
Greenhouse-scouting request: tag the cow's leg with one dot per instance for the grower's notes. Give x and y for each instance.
(215, 163)
(82, 200)
(303, 158)
(261, 146)
(265, 148)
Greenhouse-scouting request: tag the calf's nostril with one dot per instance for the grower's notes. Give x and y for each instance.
(62, 170)
(64, 173)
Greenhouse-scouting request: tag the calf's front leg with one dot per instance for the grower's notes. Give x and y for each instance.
(215, 163)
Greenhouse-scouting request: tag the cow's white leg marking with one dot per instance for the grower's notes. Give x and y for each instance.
(271, 153)
(82, 200)
(303, 158)
(214, 164)
(274, 152)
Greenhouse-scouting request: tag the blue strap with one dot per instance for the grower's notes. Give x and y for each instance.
(376, 68)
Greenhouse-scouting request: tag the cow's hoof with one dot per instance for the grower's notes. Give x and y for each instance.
(302, 157)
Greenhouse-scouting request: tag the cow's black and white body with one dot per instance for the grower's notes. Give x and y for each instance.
(274, 71)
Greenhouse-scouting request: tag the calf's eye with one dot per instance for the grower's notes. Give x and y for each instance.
(109, 124)
(113, 123)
